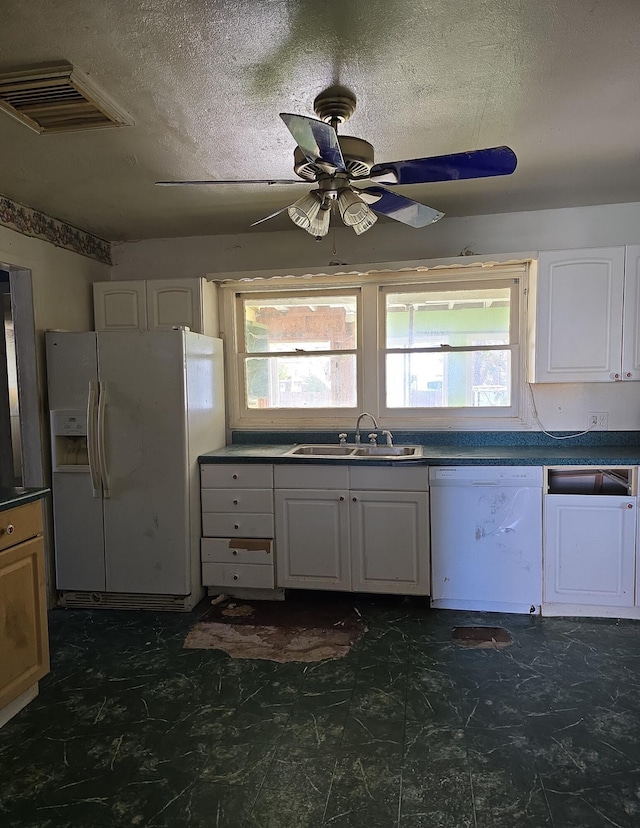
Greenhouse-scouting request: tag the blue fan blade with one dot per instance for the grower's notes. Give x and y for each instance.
(478, 164)
(402, 209)
(317, 140)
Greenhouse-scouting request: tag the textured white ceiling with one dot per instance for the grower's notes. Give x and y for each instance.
(204, 81)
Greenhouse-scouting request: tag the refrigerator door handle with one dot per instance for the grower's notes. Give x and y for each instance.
(102, 457)
(91, 439)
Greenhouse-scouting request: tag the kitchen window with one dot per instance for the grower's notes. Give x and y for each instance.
(433, 349)
(299, 351)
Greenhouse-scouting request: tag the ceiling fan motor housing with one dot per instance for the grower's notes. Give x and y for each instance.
(357, 154)
(335, 105)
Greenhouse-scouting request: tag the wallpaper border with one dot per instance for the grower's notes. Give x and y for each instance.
(38, 225)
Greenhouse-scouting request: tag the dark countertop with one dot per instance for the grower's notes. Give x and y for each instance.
(19, 496)
(442, 455)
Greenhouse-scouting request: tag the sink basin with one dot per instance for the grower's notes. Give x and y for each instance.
(322, 451)
(389, 451)
(352, 452)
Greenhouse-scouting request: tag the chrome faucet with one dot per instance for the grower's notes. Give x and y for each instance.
(360, 416)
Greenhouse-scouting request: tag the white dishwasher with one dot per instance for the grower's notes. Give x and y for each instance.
(486, 538)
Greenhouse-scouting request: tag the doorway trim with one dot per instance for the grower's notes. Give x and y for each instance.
(21, 288)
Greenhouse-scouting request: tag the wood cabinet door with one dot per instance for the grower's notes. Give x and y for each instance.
(120, 306)
(389, 542)
(312, 539)
(589, 550)
(579, 316)
(24, 644)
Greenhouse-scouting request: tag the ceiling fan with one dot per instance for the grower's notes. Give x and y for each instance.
(348, 179)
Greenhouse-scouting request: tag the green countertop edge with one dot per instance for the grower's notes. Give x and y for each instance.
(18, 496)
(443, 456)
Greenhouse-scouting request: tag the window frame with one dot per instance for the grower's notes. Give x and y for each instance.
(371, 348)
(442, 414)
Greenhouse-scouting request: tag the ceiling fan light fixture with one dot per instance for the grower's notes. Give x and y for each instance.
(367, 222)
(352, 208)
(319, 226)
(304, 211)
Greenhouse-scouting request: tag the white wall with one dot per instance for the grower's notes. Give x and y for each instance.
(294, 249)
(559, 406)
(62, 298)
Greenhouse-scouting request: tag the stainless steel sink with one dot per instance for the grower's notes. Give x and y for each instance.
(322, 451)
(389, 451)
(352, 452)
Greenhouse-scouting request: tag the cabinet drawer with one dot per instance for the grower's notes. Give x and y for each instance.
(307, 476)
(236, 476)
(237, 551)
(237, 500)
(378, 478)
(242, 525)
(240, 575)
(20, 523)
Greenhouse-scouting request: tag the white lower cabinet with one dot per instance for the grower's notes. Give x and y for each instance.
(352, 528)
(237, 526)
(312, 531)
(590, 550)
(389, 542)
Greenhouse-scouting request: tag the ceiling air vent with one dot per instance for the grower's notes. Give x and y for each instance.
(57, 99)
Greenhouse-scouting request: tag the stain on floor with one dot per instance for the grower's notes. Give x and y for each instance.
(282, 631)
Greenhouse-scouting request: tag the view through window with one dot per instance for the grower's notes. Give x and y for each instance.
(300, 351)
(427, 349)
(448, 348)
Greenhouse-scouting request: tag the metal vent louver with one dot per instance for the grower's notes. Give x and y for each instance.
(57, 99)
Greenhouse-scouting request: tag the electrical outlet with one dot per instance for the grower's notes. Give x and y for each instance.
(598, 421)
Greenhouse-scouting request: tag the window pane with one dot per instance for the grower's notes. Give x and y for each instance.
(452, 317)
(318, 323)
(301, 382)
(449, 380)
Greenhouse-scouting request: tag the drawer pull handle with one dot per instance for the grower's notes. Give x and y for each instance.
(235, 476)
(629, 505)
(235, 502)
(235, 577)
(236, 525)
(341, 497)
(235, 551)
(10, 529)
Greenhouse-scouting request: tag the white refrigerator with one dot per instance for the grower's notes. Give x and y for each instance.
(130, 413)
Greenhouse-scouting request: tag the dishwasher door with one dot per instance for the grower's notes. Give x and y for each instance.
(486, 538)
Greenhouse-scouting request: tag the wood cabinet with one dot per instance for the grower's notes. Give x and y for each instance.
(24, 647)
(352, 528)
(237, 526)
(156, 305)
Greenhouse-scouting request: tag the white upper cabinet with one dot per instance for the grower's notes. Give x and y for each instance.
(578, 313)
(631, 319)
(156, 305)
(120, 306)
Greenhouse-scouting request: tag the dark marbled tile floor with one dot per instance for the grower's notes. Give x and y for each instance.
(407, 731)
